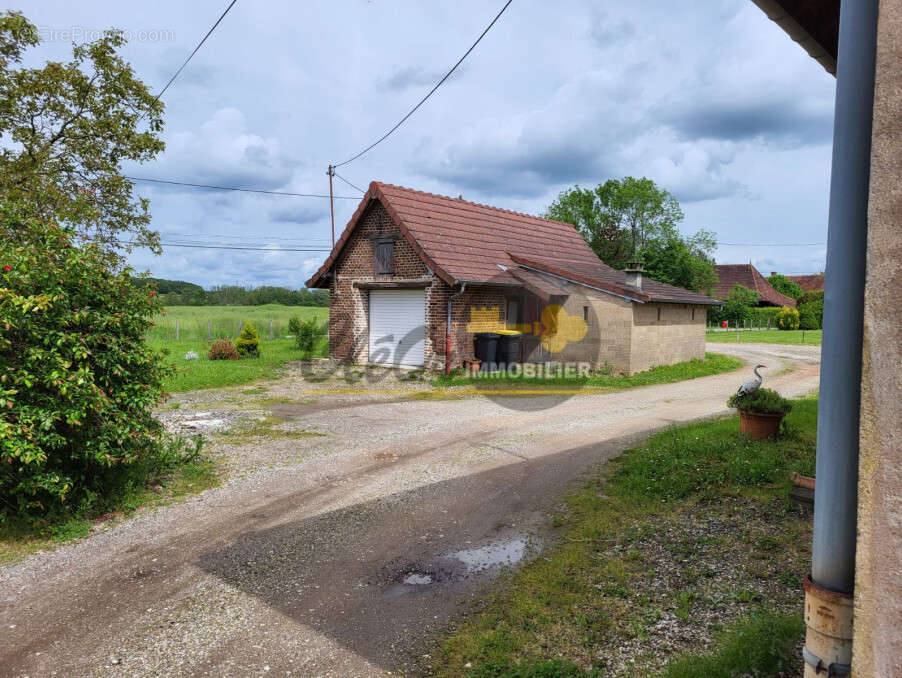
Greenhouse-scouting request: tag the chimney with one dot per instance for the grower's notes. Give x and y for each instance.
(634, 272)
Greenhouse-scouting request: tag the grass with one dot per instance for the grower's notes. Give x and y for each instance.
(225, 322)
(206, 373)
(685, 538)
(809, 337)
(712, 363)
(181, 473)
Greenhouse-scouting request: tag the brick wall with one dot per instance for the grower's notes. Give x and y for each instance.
(349, 305)
(466, 308)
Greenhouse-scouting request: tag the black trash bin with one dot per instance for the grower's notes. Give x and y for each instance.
(508, 348)
(486, 348)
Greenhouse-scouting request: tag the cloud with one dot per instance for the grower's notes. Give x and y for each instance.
(413, 76)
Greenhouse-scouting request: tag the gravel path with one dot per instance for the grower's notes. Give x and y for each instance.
(350, 529)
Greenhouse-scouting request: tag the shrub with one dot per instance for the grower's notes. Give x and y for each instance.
(784, 285)
(788, 318)
(811, 310)
(248, 342)
(739, 304)
(77, 380)
(305, 333)
(222, 350)
(762, 401)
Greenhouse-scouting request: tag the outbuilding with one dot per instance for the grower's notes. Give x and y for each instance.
(414, 276)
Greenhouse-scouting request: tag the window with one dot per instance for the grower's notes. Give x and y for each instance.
(384, 257)
(586, 314)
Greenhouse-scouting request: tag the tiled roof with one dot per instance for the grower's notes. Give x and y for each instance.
(809, 283)
(466, 241)
(730, 275)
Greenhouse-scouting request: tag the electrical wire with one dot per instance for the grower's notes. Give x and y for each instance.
(774, 244)
(243, 190)
(429, 93)
(236, 247)
(336, 174)
(191, 56)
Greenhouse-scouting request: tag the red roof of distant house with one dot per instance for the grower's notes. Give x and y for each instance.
(809, 283)
(466, 241)
(730, 275)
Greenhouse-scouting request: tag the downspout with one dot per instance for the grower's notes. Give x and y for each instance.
(828, 592)
(463, 286)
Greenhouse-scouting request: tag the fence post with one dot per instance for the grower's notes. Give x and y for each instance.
(208, 330)
(176, 329)
(270, 328)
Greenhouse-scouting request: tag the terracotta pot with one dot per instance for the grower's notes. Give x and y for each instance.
(472, 364)
(760, 426)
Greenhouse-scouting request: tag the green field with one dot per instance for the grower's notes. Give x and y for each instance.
(224, 322)
(811, 337)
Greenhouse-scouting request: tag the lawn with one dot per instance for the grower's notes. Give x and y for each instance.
(811, 337)
(224, 322)
(206, 373)
(712, 363)
(682, 557)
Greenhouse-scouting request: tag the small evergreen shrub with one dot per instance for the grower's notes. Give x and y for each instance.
(223, 350)
(762, 401)
(248, 342)
(787, 318)
(305, 333)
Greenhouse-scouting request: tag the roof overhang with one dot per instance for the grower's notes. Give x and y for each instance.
(814, 24)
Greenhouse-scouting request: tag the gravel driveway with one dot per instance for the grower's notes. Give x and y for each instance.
(349, 530)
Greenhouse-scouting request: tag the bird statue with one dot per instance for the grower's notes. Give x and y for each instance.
(751, 386)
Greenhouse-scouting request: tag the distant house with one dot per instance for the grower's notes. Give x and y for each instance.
(809, 283)
(730, 275)
(415, 275)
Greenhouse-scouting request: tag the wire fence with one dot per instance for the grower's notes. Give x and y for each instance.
(229, 326)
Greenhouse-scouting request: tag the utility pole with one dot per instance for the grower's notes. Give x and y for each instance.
(331, 172)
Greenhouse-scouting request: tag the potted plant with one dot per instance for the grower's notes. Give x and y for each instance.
(472, 365)
(760, 412)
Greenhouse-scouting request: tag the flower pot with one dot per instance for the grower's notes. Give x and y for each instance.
(759, 426)
(471, 365)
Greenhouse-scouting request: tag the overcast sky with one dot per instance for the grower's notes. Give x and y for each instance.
(709, 99)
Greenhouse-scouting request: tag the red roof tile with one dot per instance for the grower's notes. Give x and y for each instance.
(809, 283)
(730, 275)
(465, 241)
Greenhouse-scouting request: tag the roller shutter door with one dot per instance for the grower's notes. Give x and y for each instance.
(397, 327)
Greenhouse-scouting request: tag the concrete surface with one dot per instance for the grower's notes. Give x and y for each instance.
(344, 563)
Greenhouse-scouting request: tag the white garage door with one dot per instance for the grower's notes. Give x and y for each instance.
(397, 331)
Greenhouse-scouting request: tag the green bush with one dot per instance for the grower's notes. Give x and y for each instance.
(784, 285)
(762, 401)
(222, 349)
(248, 342)
(811, 310)
(77, 381)
(305, 333)
(551, 668)
(788, 318)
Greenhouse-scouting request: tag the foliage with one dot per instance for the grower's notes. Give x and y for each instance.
(739, 304)
(207, 323)
(811, 310)
(633, 219)
(763, 644)
(248, 342)
(676, 498)
(811, 337)
(72, 125)
(223, 349)
(787, 318)
(552, 668)
(77, 379)
(784, 285)
(305, 333)
(812, 296)
(761, 401)
(180, 293)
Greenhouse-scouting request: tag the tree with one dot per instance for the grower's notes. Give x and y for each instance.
(784, 285)
(739, 303)
(77, 380)
(631, 219)
(248, 342)
(71, 125)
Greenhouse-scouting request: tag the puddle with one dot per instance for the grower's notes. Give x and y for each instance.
(418, 579)
(508, 552)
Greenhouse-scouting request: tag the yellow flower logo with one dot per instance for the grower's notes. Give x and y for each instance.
(559, 328)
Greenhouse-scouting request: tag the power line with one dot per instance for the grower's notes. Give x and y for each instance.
(347, 182)
(429, 93)
(236, 247)
(774, 244)
(191, 56)
(243, 190)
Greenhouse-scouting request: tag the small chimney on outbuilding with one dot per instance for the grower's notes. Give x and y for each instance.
(634, 272)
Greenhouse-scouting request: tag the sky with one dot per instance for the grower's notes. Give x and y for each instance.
(709, 99)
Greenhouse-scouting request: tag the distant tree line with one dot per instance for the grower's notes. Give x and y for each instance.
(181, 293)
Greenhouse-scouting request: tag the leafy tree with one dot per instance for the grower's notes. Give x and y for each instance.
(739, 304)
(633, 219)
(784, 285)
(305, 333)
(71, 125)
(77, 381)
(248, 342)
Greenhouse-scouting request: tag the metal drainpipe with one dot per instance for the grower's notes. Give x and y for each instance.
(828, 593)
(463, 286)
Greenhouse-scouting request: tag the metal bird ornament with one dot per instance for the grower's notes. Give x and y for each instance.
(753, 385)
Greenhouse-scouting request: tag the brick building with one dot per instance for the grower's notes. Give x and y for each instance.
(410, 265)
